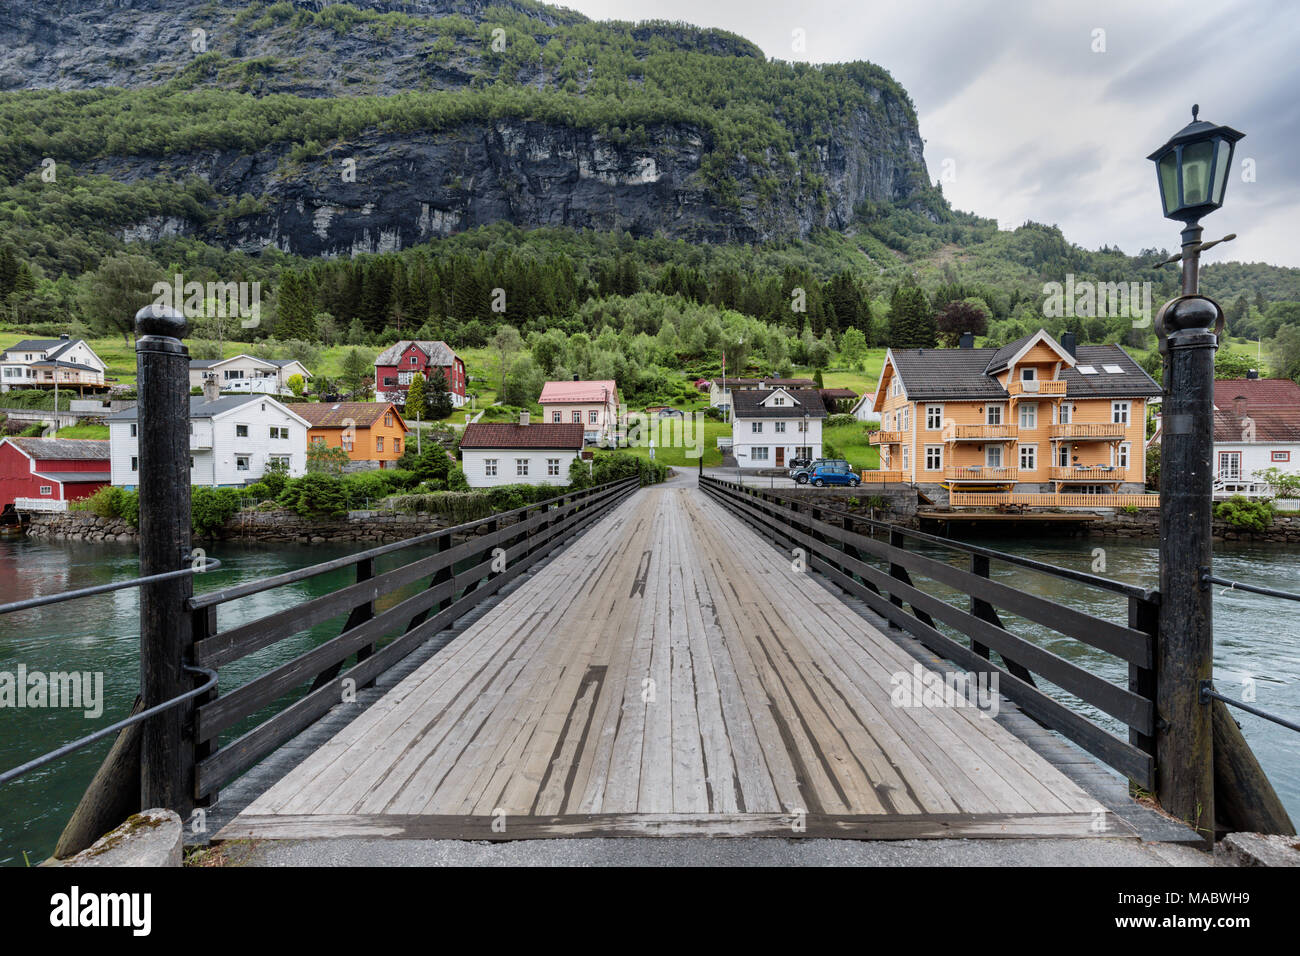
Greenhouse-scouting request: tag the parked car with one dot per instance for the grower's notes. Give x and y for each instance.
(799, 464)
(835, 473)
(803, 474)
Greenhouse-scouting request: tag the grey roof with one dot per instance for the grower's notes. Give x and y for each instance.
(964, 374)
(63, 448)
(204, 363)
(1000, 357)
(440, 353)
(200, 407)
(748, 403)
(36, 345)
(74, 476)
(54, 363)
(1131, 381)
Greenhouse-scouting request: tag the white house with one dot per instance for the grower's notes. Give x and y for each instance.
(1256, 427)
(771, 426)
(43, 363)
(864, 410)
(720, 389)
(503, 453)
(247, 373)
(233, 439)
(594, 405)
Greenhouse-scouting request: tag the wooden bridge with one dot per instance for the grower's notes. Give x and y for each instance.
(670, 672)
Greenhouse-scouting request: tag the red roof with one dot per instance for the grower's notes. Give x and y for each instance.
(510, 435)
(578, 391)
(1258, 392)
(1270, 424)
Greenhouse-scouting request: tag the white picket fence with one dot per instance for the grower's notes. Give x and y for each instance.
(40, 504)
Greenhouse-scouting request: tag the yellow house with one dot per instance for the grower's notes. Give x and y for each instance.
(1035, 416)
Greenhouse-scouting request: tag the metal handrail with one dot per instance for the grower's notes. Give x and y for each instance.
(103, 732)
(208, 564)
(1208, 693)
(1207, 579)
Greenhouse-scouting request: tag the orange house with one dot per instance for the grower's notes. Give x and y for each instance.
(367, 431)
(1035, 416)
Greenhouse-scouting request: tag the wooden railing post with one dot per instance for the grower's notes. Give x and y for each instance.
(979, 564)
(1143, 615)
(166, 630)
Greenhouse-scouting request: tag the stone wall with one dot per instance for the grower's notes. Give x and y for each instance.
(79, 526)
(1146, 524)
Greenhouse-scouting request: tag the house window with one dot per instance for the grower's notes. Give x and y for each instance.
(135, 463)
(760, 453)
(1119, 412)
(346, 442)
(1123, 457)
(933, 457)
(994, 415)
(279, 433)
(241, 463)
(389, 380)
(906, 418)
(803, 451)
(241, 431)
(780, 426)
(1029, 415)
(413, 359)
(388, 419)
(1229, 465)
(557, 417)
(1028, 457)
(1279, 456)
(592, 417)
(521, 467)
(933, 417)
(906, 456)
(1063, 456)
(47, 489)
(318, 441)
(1028, 373)
(577, 418)
(778, 400)
(274, 461)
(489, 467)
(1065, 413)
(135, 428)
(803, 426)
(756, 427)
(397, 446)
(553, 467)
(379, 443)
(993, 456)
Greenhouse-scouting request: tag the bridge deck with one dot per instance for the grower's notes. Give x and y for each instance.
(668, 673)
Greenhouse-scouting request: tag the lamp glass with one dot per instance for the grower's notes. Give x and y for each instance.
(1222, 157)
(1168, 173)
(1198, 163)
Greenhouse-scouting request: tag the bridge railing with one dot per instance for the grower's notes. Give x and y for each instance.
(876, 561)
(468, 563)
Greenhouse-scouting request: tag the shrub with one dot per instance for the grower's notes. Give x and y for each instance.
(316, 495)
(211, 508)
(111, 502)
(1246, 515)
(838, 421)
(323, 459)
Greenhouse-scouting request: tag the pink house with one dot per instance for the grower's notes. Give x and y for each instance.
(594, 405)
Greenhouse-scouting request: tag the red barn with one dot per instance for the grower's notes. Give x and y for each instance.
(397, 363)
(51, 470)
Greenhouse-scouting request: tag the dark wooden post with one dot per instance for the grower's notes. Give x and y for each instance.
(1185, 645)
(166, 632)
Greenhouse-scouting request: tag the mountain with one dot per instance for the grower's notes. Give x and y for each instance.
(336, 129)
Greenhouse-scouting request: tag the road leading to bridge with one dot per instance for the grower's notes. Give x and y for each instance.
(669, 673)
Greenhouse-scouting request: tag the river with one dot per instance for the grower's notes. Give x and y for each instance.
(1256, 638)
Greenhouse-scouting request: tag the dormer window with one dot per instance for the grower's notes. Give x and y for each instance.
(1028, 373)
(778, 400)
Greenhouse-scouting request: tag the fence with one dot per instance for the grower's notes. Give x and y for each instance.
(989, 499)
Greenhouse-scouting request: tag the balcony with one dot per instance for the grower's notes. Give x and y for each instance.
(1099, 474)
(886, 438)
(980, 432)
(1036, 387)
(1088, 431)
(984, 473)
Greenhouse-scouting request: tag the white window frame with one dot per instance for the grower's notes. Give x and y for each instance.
(1121, 413)
(238, 433)
(933, 418)
(779, 426)
(1124, 455)
(906, 456)
(934, 458)
(553, 467)
(1028, 415)
(756, 428)
(758, 453)
(1029, 451)
(991, 452)
(521, 467)
(992, 411)
(490, 467)
(247, 463)
(47, 489)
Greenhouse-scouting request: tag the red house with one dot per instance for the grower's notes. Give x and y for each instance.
(42, 474)
(397, 363)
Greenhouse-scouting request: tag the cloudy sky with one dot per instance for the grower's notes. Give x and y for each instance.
(1047, 110)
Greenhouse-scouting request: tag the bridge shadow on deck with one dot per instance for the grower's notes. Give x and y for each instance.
(670, 673)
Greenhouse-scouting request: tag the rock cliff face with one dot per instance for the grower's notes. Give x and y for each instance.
(383, 190)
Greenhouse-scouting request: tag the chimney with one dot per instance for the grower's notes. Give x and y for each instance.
(575, 376)
(1070, 343)
(523, 419)
(211, 389)
(1253, 373)
(63, 336)
(967, 340)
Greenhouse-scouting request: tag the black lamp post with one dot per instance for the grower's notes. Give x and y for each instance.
(1192, 170)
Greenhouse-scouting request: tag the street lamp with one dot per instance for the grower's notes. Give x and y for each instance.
(1192, 172)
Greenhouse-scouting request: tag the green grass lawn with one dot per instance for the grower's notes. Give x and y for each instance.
(861, 381)
(83, 431)
(850, 443)
(676, 456)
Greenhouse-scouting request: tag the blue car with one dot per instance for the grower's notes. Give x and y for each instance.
(835, 473)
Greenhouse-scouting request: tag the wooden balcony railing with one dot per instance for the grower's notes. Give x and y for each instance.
(1099, 473)
(1087, 430)
(977, 499)
(980, 432)
(980, 473)
(1036, 386)
(883, 477)
(886, 438)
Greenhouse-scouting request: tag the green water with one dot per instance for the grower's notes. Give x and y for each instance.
(1255, 637)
